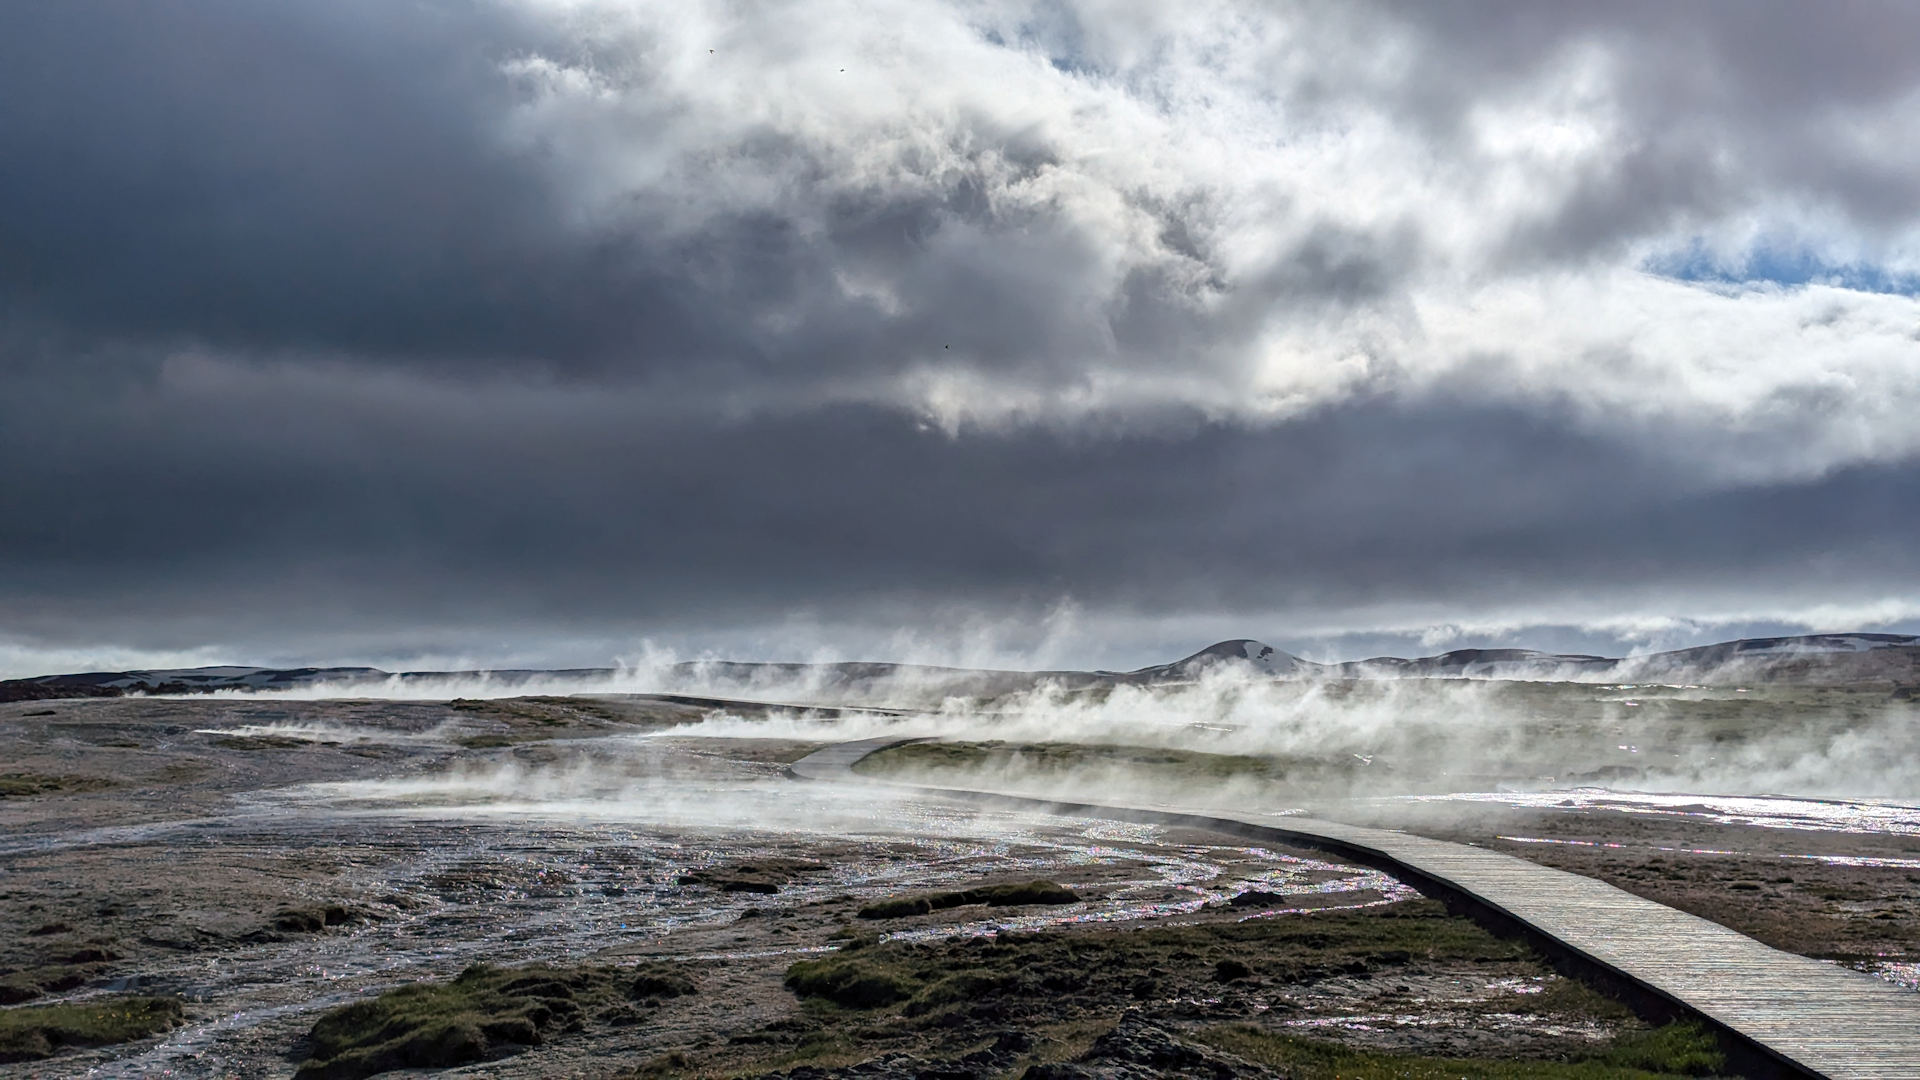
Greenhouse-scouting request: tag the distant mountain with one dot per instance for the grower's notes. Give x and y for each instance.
(1478, 664)
(1822, 658)
(1813, 658)
(785, 682)
(176, 681)
(1838, 658)
(1238, 654)
(1832, 658)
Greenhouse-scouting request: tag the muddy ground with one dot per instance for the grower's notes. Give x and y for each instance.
(267, 862)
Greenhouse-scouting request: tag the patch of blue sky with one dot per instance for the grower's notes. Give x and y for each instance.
(1053, 30)
(1782, 265)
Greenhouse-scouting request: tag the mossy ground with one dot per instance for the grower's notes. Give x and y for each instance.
(32, 1032)
(942, 1001)
(261, 742)
(1007, 895)
(764, 876)
(1670, 1051)
(63, 957)
(485, 1013)
(948, 991)
(491, 742)
(525, 720)
(21, 785)
(1122, 965)
(1046, 759)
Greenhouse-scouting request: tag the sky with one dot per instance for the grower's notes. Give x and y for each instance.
(553, 332)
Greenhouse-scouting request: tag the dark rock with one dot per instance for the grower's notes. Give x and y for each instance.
(1230, 971)
(1137, 1049)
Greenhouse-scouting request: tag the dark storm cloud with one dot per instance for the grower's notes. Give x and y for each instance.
(327, 178)
(338, 179)
(481, 319)
(331, 178)
(259, 502)
(272, 174)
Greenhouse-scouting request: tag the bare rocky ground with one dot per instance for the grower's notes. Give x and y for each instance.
(265, 862)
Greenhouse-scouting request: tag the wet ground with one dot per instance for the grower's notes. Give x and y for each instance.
(268, 861)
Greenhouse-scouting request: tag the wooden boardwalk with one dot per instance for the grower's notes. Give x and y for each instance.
(1796, 1015)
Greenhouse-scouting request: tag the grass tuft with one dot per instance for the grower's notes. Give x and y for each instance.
(852, 982)
(485, 1013)
(40, 1031)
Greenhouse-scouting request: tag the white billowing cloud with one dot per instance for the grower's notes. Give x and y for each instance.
(1788, 381)
(1255, 210)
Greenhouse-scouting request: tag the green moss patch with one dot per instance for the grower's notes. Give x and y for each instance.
(1120, 968)
(959, 760)
(33, 1032)
(485, 1013)
(261, 742)
(91, 953)
(1028, 892)
(22, 785)
(539, 712)
(659, 981)
(1675, 1050)
(762, 876)
(854, 982)
(488, 742)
